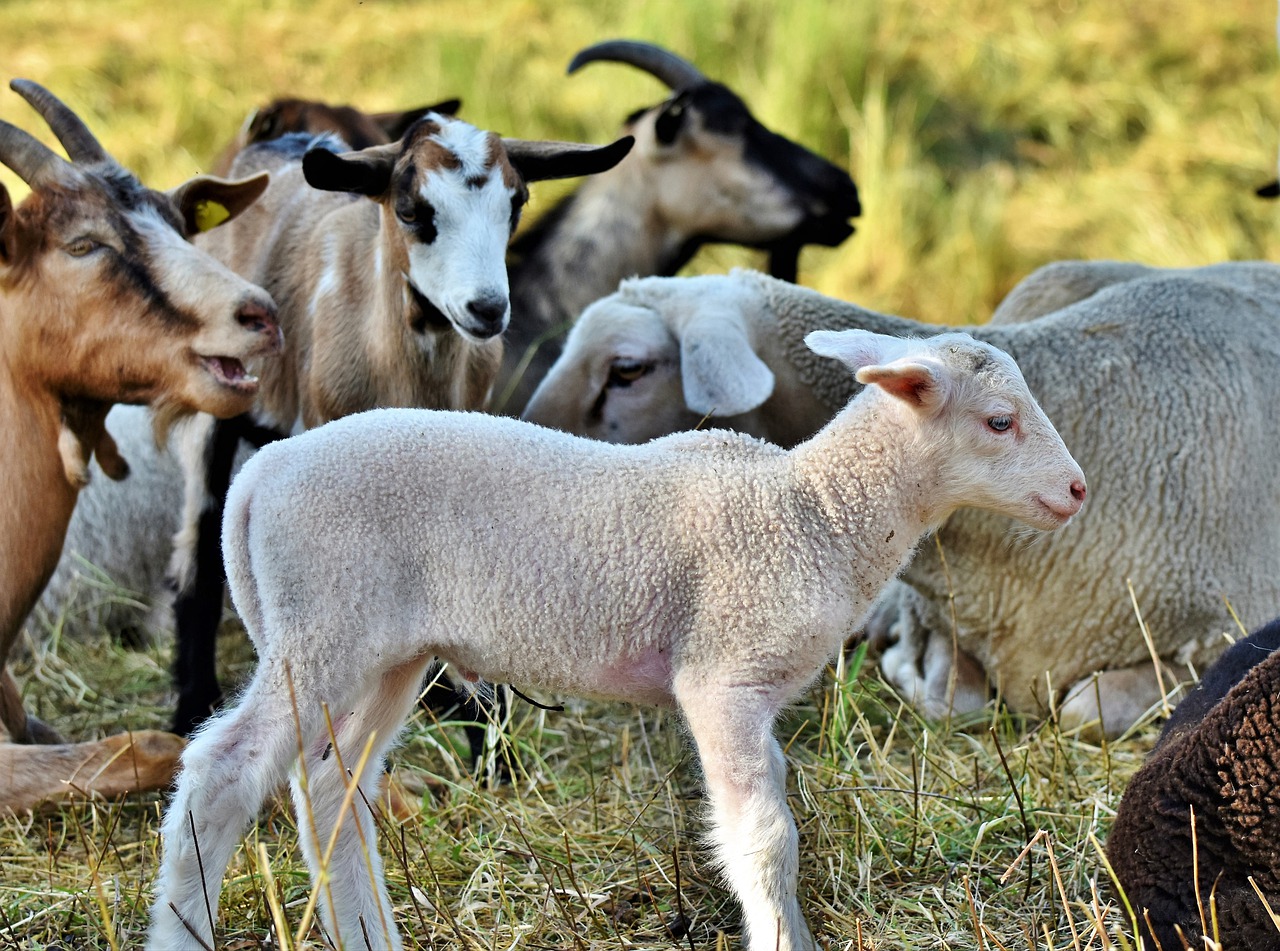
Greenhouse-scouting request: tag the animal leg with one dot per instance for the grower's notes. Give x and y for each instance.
(752, 831)
(1110, 702)
(932, 674)
(357, 908)
(120, 764)
(228, 769)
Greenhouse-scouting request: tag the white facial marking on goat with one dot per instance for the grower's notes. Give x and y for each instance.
(464, 267)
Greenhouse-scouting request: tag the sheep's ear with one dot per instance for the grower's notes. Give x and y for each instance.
(918, 384)
(855, 348)
(721, 373)
(367, 172)
(206, 202)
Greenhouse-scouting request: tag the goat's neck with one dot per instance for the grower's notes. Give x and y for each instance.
(35, 497)
(610, 229)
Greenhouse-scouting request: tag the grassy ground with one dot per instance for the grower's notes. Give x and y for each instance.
(987, 138)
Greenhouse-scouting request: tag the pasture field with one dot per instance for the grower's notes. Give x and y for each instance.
(987, 138)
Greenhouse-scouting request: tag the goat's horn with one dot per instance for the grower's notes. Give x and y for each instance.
(677, 73)
(66, 125)
(29, 158)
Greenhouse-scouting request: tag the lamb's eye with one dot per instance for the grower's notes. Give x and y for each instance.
(1000, 423)
(625, 372)
(80, 247)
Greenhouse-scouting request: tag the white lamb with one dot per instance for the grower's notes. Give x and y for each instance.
(1164, 384)
(710, 572)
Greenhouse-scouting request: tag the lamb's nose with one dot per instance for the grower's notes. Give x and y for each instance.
(1078, 490)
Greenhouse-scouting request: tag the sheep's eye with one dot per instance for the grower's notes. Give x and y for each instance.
(1000, 423)
(625, 372)
(81, 246)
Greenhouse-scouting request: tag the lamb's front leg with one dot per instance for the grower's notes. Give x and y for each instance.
(752, 830)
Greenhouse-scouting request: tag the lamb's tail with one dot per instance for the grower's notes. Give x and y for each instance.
(236, 550)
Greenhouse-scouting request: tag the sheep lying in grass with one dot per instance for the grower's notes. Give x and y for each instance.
(1132, 374)
(709, 572)
(1202, 816)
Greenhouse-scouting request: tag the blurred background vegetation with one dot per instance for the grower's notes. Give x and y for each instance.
(987, 137)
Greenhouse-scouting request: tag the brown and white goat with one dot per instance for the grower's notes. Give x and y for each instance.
(388, 265)
(102, 300)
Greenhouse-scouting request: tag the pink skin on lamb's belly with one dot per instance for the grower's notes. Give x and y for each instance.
(643, 678)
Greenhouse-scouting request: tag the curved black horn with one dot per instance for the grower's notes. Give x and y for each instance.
(30, 159)
(677, 73)
(71, 131)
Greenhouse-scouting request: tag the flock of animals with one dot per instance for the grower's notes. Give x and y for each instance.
(353, 275)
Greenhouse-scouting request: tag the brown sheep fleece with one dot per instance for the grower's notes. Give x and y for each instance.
(1228, 769)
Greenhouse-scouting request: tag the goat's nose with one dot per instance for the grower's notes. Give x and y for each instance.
(490, 312)
(1078, 490)
(260, 317)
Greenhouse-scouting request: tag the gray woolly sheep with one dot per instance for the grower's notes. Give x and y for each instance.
(708, 572)
(1164, 385)
(1221, 764)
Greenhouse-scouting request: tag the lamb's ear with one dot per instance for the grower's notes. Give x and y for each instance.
(721, 373)
(873, 358)
(916, 383)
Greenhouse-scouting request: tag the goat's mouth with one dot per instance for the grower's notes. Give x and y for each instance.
(230, 373)
(425, 316)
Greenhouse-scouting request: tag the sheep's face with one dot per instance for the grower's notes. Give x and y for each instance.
(659, 356)
(969, 405)
(618, 379)
(113, 303)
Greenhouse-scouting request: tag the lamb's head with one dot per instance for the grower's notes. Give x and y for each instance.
(659, 356)
(113, 302)
(719, 174)
(966, 404)
(451, 197)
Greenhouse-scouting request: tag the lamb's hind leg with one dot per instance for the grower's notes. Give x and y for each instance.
(228, 770)
(355, 901)
(752, 829)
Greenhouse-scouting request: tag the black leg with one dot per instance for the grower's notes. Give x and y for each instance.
(198, 609)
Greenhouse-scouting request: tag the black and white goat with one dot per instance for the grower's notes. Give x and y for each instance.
(704, 170)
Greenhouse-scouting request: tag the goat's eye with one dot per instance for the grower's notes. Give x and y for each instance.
(625, 372)
(406, 213)
(80, 247)
(1000, 423)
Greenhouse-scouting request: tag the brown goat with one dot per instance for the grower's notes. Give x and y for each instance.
(357, 129)
(102, 300)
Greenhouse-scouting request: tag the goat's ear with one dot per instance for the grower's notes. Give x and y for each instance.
(8, 228)
(206, 202)
(917, 384)
(367, 172)
(539, 161)
(721, 373)
(396, 124)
